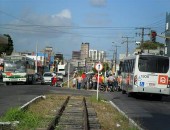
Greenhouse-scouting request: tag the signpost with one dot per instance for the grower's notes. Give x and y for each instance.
(99, 68)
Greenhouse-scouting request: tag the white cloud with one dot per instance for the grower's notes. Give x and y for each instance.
(46, 29)
(48, 25)
(64, 14)
(98, 3)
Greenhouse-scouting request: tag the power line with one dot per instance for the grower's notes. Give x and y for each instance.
(142, 33)
(127, 44)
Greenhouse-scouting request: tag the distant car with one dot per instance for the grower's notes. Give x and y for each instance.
(59, 76)
(37, 77)
(47, 76)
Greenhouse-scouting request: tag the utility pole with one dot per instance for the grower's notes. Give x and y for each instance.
(127, 45)
(36, 58)
(115, 56)
(142, 33)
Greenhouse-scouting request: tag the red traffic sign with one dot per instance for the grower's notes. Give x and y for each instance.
(98, 66)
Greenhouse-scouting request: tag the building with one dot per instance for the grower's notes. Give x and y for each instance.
(58, 58)
(96, 55)
(167, 34)
(84, 51)
(76, 55)
(93, 54)
(48, 50)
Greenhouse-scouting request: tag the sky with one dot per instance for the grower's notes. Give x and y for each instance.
(66, 24)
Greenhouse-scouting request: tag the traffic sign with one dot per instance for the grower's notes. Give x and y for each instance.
(98, 66)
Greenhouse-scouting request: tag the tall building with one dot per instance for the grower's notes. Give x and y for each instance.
(48, 50)
(93, 54)
(96, 55)
(76, 55)
(84, 50)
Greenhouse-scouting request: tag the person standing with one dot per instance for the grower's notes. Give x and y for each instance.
(83, 84)
(74, 82)
(94, 82)
(54, 80)
(79, 80)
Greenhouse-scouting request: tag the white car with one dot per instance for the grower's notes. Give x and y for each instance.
(47, 76)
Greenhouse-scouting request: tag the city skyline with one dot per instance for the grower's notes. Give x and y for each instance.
(65, 24)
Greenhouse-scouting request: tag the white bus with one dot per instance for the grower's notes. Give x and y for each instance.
(18, 69)
(145, 74)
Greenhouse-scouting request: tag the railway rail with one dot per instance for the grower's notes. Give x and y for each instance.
(75, 114)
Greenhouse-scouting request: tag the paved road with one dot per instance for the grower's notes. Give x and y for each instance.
(18, 95)
(152, 115)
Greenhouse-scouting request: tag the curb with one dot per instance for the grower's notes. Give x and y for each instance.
(13, 124)
(26, 105)
(131, 120)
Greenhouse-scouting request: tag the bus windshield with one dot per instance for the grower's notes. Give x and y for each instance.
(155, 64)
(14, 66)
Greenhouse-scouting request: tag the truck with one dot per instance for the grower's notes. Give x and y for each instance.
(62, 69)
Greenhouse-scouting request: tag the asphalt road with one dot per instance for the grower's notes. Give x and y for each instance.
(18, 95)
(150, 114)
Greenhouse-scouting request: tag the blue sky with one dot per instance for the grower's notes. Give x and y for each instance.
(65, 24)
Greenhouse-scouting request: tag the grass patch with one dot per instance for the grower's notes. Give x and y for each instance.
(38, 115)
(41, 113)
(26, 119)
(109, 117)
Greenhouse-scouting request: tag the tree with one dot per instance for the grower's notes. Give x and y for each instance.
(150, 45)
(7, 48)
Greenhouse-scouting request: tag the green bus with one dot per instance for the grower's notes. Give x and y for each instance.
(18, 69)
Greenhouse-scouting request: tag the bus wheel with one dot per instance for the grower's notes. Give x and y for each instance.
(7, 83)
(129, 94)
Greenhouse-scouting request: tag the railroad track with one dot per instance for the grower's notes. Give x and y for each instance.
(75, 114)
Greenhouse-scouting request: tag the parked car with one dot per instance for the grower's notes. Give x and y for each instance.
(60, 77)
(47, 76)
(37, 77)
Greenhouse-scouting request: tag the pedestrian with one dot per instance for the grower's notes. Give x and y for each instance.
(84, 80)
(74, 82)
(111, 80)
(94, 82)
(54, 80)
(106, 83)
(79, 80)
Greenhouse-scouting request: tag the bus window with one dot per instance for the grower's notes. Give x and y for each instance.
(153, 64)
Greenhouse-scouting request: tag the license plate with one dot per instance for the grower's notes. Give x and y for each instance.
(14, 79)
